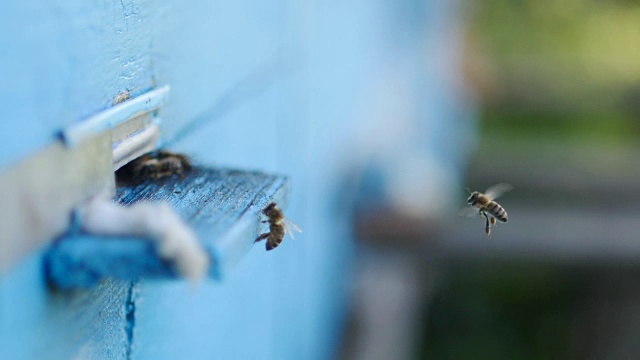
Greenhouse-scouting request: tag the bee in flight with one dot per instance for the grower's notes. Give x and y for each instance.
(279, 225)
(485, 205)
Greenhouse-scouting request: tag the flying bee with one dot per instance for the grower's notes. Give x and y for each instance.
(279, 225)
(485, 205)
(156, 165)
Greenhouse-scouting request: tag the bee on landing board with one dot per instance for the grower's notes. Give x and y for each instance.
(157, 165)
(279, 225)
(484, 204)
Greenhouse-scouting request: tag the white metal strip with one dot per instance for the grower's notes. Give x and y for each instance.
(111, 117)
(130, 148)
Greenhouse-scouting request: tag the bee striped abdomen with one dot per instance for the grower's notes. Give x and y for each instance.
(277, 232)
(497, 211)
(273, 243)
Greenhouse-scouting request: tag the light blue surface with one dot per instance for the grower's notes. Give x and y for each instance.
(70, 61)
(36, 323)
(278, 86)
(63, 62)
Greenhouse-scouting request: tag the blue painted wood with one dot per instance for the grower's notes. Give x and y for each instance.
(222, 206)
(36, 323)
(286, 304)
(63, 62)
(229, 46)
(282, 86)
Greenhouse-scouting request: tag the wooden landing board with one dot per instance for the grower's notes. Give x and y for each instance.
(221, 205)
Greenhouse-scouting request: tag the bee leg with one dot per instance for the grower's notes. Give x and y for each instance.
(487, 226)
(264, 221)
(262, 237)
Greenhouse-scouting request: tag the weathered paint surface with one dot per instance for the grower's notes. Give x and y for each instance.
(64, 62)
(222, 206)
(39, 324)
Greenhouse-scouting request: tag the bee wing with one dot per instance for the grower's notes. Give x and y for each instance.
(468, 211)
(497, 190)
(290, 225)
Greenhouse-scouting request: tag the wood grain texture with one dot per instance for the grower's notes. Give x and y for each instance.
(81, 324)
(222, 206)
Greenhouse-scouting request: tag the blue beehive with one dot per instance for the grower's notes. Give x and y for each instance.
(263, 97)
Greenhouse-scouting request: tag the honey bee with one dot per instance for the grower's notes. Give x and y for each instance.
(156, 165)
(485, 205)
(279, 225)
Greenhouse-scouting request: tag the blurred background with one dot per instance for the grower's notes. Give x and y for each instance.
(556, 114)
(381, 112)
